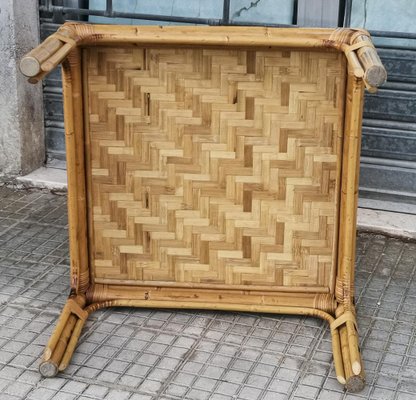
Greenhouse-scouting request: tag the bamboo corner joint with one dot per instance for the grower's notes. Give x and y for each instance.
(212, 168)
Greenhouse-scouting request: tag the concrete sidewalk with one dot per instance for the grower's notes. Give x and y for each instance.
(144, 354)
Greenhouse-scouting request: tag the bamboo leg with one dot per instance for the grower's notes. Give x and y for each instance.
(354, 372)
(50, 347)
(345, 352)
(49, 368)
(353, 346)
(337, 354)
(63, 340)
(354, 382)
(66, 335)
(71, 345)
(357, 382)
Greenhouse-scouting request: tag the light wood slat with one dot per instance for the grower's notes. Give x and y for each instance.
(215, 167)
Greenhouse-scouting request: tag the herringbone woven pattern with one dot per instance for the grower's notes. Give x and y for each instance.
(214, 167)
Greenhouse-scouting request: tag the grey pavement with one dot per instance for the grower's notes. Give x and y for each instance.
(136, 354)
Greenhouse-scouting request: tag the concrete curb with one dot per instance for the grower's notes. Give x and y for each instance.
(386, 222)
(45, 178)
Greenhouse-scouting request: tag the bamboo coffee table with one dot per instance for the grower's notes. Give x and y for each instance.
(212, 168)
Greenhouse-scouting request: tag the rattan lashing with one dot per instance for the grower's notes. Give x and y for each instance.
(212, 168)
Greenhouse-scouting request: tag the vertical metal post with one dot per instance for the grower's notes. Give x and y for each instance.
(319, 13)
(347, 13)
(226, 12)
(108, 8)
(57, 15)
(295, 13)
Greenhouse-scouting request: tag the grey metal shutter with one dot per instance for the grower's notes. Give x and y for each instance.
(388, 162)
(388, 156)
(50, 18)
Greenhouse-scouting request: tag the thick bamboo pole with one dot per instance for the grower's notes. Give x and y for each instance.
(375, 74)
(199, 36)
(354, 381)
(353, 347)
(338, 359)
(349, 187)
(56, 58)
(246, 298)
(349, 199)
(74, 140)
(365, 63)
(70, 348)
(50, 347)
(30, 64)
(189, 305)
(58, 342)
(191, 285)
(362, 56)
(49, 368)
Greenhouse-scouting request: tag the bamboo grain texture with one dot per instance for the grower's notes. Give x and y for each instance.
(215, 166)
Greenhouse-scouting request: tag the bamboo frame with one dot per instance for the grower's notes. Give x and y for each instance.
(74, 141)
(335, 305)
